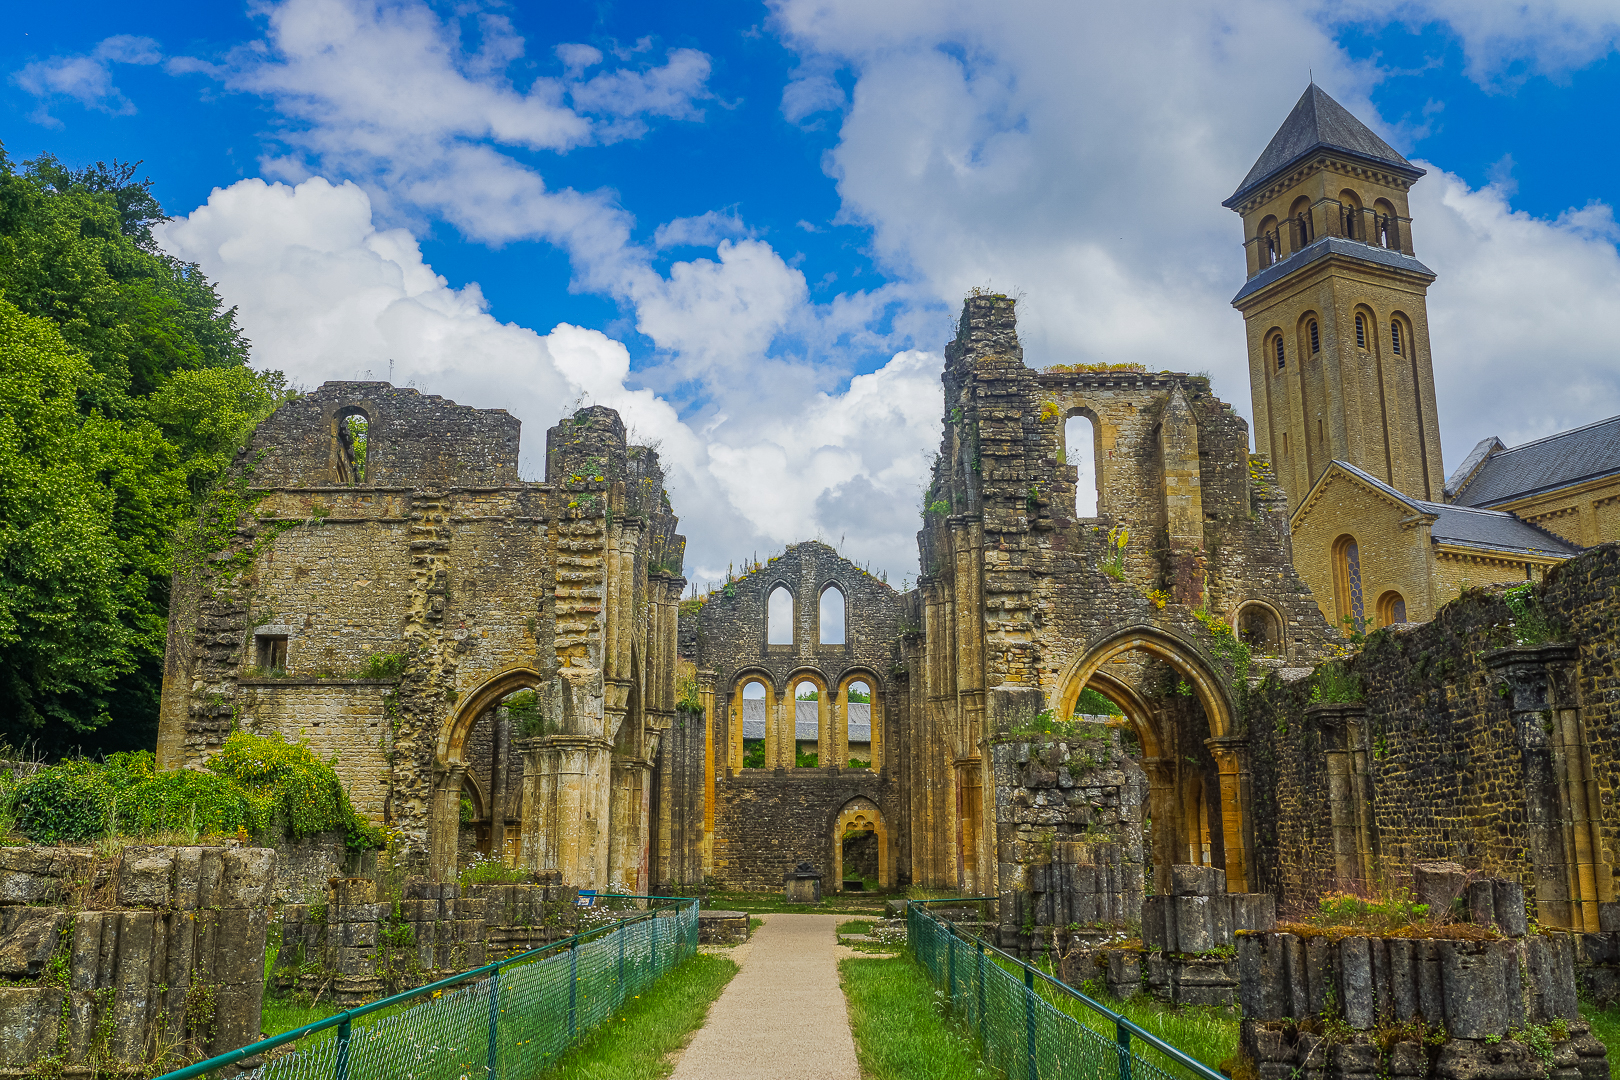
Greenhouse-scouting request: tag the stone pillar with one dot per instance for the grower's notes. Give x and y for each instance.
(499, 741)
(706, 695)
(830, 746)
(875, 711)
(1563, 808)
(1228, 762)
(447, 821)
(1183, 499)
(1165, 811)
(1344, 739)
(538, 849)
(629, 835)
(566, 789)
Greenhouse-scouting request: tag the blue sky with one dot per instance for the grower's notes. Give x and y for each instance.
(747, 226)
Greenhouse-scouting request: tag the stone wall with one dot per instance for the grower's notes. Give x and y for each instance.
(137, 963)
(1462, 747)
(384, 614)
(769, 821)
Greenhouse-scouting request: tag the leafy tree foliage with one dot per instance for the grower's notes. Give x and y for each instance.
(124, 392)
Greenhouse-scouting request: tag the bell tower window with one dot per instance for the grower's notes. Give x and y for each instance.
(1282, 358)
(1361, 332)
(1316, 339)
(1395, 337)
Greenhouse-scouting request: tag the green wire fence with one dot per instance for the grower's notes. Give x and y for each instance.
(510, 1019)
(1012, 1009)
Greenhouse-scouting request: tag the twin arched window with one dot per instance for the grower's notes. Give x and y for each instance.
(779, 616)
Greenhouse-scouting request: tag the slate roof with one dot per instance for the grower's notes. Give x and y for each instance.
(807, 717)
(1321, 248)
(1492, 530)
(1318, 122)
(1569, 457)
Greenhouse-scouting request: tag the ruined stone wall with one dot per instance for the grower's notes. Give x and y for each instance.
(1442, 735)
(767, 822)
(1017, 593)
(137, 963)
(415, 596)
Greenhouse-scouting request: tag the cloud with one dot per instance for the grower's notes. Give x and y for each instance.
(810, 94)
(325, 294)
(704, 230)
(86, 77)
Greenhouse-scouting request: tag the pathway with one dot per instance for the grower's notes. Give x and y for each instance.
(782, 1016)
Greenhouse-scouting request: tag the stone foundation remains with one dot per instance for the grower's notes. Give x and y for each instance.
(133, 964)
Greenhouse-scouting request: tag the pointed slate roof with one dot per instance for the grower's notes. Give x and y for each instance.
(1318, 122)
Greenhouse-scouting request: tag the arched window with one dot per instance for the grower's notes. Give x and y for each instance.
(1350, 215)
(1361, 331)
(1259, 628)
(1391, 608)
(754, 720)
(1386, 226)
(859, 712)
(1277, 348)
(1347, 584)
(1395, 336)
(1316, 338)
(1300, 217)
(1080, 450)
(831, 615)
(1269, 242)
(353, 429)
(804, 713)
(779, 617)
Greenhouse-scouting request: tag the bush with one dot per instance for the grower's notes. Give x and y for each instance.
(256, 783)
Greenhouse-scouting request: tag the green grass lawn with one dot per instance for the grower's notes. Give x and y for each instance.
(899, 1035)
(1606, 1026)
(635, 1044)
(855, 926)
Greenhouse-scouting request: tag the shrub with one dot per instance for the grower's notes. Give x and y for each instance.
(64, 804)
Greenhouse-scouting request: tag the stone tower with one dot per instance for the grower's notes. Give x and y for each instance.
(1334, 305)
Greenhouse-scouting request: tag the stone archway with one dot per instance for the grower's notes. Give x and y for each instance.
(1225, 746)
(861, 815)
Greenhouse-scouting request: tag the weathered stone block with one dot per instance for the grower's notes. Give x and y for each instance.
(1197, 881)
(145, 877)
(30, 1018)
(1437, 884)
(29, 942)
(248, 877)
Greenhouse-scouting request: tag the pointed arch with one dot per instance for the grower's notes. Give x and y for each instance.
(780, 616)
(862, 815)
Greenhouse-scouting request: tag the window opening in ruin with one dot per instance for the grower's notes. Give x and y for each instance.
(1321, 432)
(1395, 337)
(1080, 450)
(272, 654)
(804, 713)
(1285, 444)
(1282, 358)
(1316, 340)
(1391, 608)
(353, 429)
(779, 617)
(831, 615)
(1347, 585)
(1260, 629)
(858, 711)
(753, 725)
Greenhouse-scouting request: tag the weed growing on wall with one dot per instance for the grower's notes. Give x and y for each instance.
(1333, 684)
(1114, 560)
(1529, 626)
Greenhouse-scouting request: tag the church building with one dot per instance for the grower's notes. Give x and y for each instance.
(1342, 379)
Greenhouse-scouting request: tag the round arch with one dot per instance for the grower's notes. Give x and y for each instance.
(734, 695)
(788, 748)
(1251, 607)
(875, 710)
(861, 814)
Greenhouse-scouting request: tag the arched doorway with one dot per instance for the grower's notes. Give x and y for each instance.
(860, 846)
(1218, 756)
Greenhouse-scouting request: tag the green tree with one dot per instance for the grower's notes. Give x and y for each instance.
(124, 392)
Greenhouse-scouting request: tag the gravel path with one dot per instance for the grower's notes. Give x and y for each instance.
(782, 1017)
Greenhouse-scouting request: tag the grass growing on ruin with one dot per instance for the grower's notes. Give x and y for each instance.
(1606, 1026)
(637, 1043)
(899, 1035)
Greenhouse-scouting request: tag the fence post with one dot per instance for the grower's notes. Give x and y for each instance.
(1122, 1035)
(950, 970)
(1029, 1019)
(573, 988)
(494, 1023)
(980, 974)
(622, 932)
(341, 1070)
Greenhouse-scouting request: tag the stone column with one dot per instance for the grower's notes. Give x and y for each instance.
(706, 695)
(628, 839)
(875, 711)
(500, 739)
(538, 830)
(1344, 740)
(1227, 753)
(1164, 809)
(1563, 810)
(1183, 499)
(830, 747)
(447, 821)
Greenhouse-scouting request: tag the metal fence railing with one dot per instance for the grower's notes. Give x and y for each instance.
(507, 1019)
(1004, 1003)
